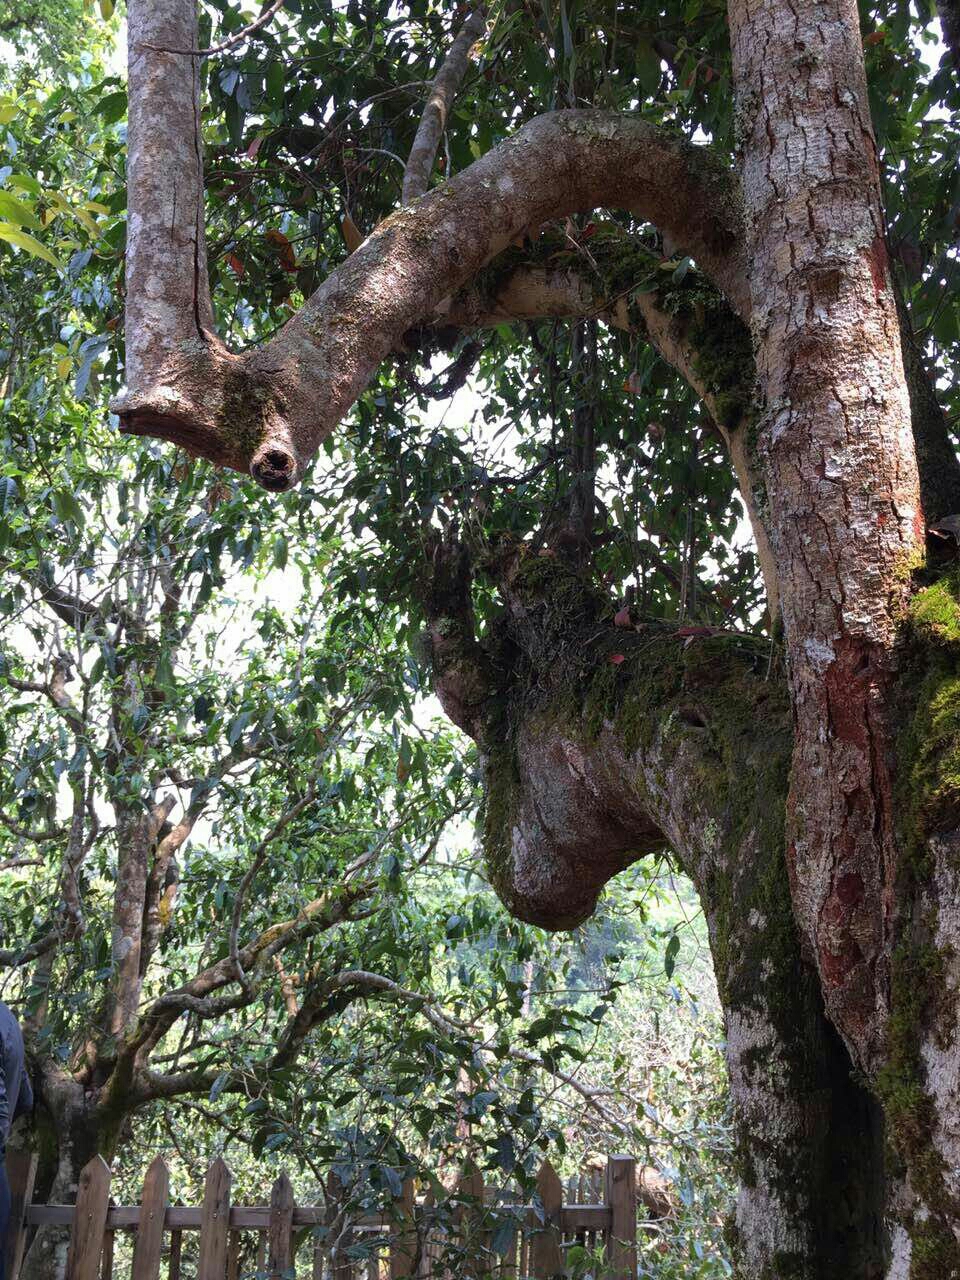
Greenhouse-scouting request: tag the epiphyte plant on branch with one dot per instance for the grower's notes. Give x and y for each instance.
(814, 807)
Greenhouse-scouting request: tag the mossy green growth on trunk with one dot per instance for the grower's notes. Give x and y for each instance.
(928, 804)
(244, 410)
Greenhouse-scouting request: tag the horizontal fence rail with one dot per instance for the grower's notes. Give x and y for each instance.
(489, 1236)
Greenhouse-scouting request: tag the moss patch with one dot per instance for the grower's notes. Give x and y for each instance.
(928, 801)
(244, 411)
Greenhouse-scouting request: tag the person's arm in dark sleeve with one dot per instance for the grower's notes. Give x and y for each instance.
(25, 1097)
(4, 1107)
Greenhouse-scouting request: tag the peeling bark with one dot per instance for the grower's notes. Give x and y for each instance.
(166, 263)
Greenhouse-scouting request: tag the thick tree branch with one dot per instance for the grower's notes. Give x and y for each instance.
(28, 833)
(136, 837)
(416, 178)
(268, 411)
(168, 301)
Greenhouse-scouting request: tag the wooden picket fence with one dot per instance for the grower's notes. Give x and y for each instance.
(279, 1241)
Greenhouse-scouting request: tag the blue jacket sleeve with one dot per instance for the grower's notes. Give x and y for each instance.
(5, 1116)
(25, 1097)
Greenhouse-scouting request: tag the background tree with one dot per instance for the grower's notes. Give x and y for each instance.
(199, 781)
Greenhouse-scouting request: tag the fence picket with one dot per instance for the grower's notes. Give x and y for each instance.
(214, 1223)
(153, 1208)
(21, 1174)
(403, 1241)
(89, 1221)
(106, 1258)
(233, 1256)
(545, 1257)
(176, 1248)
(621, 1194)
(417, 1247)
(279, 1233)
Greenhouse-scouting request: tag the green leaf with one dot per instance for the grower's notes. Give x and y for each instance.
(276, 79)
(648, 68)
(113, 107)
(25, 182)
(67, 507)
(24, 241)
(14, 210)
(218, 1085)
(8, 493)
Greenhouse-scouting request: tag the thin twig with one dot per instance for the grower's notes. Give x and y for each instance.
(231, 42)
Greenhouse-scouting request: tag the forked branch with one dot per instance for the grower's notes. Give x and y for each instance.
(268, 411)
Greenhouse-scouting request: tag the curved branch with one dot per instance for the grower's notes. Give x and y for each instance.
(575, 289)
(268, 412)
(416, 178)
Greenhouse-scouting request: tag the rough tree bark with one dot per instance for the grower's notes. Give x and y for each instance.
(602, 745)
(823, 842)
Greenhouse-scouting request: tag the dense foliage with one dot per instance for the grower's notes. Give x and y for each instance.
(168, 631)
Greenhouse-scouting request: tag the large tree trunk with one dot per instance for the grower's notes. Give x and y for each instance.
(874, 889)
(839, 885)
(603, 744)
(72, 1126)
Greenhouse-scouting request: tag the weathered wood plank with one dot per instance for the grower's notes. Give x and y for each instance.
(176, 1249)
(251, 1217)
(106, 1258)
(546, 1260)
(622, 1198)
(21, 1174)
(89, 1221)
(279, 1253)
(403, 1239)
(214, 1223)
(233, 1256)
(153, 1211)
